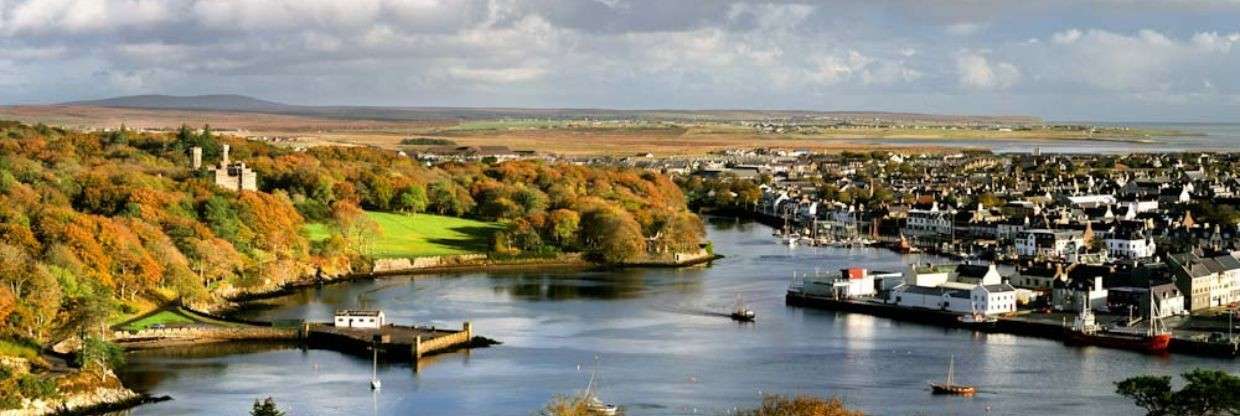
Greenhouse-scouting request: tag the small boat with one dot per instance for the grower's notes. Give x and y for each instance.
(741, 313)
(792, 240)
(977, 319)
(905, 247)
(594, 406)
(950, 387)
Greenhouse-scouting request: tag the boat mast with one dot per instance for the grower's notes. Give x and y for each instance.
(1153, 323)
(951, 369)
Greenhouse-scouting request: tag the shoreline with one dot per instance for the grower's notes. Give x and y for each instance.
(1018, 325)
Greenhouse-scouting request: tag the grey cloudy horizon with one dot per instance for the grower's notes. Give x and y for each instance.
(1119, 60)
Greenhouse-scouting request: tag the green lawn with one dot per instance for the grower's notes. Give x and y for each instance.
(416, 235)
(164, 317)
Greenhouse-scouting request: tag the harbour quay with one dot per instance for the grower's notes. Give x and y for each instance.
(395, 342)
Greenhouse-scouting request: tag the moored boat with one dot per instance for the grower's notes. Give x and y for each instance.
(1085, 331)
(950, 387)
(977, 319)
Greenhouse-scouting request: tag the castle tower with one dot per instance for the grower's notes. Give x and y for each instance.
(196, 157)
(224, 156)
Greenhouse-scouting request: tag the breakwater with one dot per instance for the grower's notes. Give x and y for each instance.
(394, 342)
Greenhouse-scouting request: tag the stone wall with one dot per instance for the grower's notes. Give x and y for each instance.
(402, 264)
(672, 259)
(206, 332)
(444, 342)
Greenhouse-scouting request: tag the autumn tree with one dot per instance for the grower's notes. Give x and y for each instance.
(611, 235)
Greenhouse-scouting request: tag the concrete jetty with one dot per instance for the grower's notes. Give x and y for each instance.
(395, 342)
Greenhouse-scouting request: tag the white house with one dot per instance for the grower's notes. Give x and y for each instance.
(929, 223)
(1073, 295)
(359, 319)
(1049, 243)
(1130, 245)
(985, 299)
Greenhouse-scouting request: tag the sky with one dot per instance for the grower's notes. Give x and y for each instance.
(1107, 60)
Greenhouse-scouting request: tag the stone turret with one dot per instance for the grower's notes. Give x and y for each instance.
(195, 157)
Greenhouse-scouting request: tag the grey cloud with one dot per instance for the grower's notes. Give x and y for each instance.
(946, 56)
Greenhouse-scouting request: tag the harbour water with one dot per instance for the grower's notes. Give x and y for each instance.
(1196, 137)
(660, 340)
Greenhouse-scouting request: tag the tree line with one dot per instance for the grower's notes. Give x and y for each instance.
(96, 224)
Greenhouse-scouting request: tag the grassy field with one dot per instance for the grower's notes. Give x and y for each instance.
(416, 235)
(163, 317)
(568, 137)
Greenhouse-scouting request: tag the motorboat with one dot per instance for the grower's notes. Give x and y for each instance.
(742, 313)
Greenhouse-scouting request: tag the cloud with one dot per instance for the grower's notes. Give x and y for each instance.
(1142, 62)
(1066, 37)
(497, 75)
(965, 29)
(899, 55)
(976, 71)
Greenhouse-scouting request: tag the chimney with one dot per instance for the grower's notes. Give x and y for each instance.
(196, 157)
(224, 156)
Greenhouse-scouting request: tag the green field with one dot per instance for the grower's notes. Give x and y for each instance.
(168, 317)
(164, 317)
(416, 235)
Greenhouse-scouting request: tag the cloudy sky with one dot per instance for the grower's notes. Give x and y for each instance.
(1073, 60)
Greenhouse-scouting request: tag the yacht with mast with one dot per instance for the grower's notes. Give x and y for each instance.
(950, 387)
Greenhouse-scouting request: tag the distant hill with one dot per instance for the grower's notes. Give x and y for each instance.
(241, 103)
(216, 102)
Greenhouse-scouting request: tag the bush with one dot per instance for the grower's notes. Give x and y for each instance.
(800, 405)
(35, 387)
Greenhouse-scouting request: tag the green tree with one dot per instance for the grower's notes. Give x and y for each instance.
(1205, 393)
(446, 198)
(562, 226)
(98, 353)
(411, 198)
(265, 407)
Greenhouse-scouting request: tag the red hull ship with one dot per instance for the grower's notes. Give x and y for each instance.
(1154, 344)
(1085, 331)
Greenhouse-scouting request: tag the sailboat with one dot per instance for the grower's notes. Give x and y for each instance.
(594, 406)
(950, 387)
(375, 384)
(741, 313)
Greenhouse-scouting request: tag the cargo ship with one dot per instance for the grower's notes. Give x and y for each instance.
(1085, 331)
